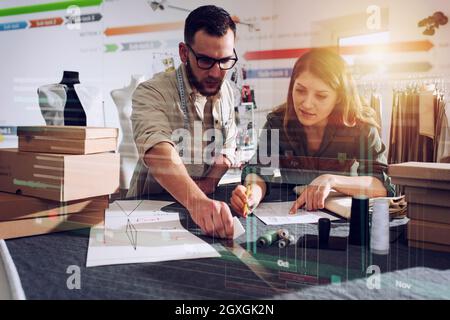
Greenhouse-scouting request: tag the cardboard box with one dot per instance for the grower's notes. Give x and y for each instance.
(420, 183)
(421, 170)
(429, 213)
(44, 225)
(17, 207)
(421, 174)
(427, 196)
(67, 139)
(59, 177)
(428, 246)
(432, 232)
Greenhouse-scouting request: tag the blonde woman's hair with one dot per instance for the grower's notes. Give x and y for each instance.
(333, 70)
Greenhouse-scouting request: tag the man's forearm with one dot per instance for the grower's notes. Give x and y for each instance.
(219, 168)
(169, 171)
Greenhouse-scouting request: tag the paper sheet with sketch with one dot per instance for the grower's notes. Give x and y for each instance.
(277, 213)
(137, 231)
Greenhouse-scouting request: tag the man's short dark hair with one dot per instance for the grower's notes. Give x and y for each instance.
(213, 20)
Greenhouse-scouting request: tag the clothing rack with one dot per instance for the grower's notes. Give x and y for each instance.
(370, 92)
(419, 125)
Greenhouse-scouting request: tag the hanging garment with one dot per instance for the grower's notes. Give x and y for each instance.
(375, 104)
(440, 113)
(402, 124)
(413, 127)
(419, 126)
(443, 143)
(426, 113)
(394, 135)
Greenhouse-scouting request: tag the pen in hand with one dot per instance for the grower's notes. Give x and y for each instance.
(248, 192)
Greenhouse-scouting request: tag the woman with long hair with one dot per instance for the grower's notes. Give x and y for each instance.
(333, 137)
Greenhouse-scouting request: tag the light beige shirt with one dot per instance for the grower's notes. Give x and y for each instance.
(157, 117)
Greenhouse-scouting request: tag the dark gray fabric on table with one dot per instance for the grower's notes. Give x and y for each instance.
(42, 262)
(415, 283)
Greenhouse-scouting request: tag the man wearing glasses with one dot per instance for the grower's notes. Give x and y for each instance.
(184, 125)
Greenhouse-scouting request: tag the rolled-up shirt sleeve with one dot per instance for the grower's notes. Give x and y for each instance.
(372, 159)
(149, 119)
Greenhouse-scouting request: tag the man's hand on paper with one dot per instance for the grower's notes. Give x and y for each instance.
(213, 217)
(314, 195)
(244, 202)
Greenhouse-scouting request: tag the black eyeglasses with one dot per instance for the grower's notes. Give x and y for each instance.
(206, 63)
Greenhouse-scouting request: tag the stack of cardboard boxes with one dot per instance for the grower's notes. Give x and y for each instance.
(427, 191)
(59, 179)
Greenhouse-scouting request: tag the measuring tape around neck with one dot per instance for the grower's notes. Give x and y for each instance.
(184, 104)
(182, 92)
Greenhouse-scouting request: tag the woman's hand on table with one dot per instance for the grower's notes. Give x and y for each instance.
(314, 195)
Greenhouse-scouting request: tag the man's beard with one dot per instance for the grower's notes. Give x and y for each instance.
(198, 85)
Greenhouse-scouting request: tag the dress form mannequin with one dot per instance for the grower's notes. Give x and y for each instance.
(74, 114)
(52, 99)
(127, 148)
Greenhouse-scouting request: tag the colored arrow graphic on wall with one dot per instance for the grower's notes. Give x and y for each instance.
(84, 18)
(111, 47)
(92, 17)
(134, 46)
(13, 26)
(144, 28)
(269, 73)
(144, 45)
(358, 68)
(424, 45)
(393, 68)
(44, 7)
(46, 22)
(157, 27)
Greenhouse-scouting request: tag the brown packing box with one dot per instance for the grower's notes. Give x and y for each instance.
(432, 184)
(43, 144)
(421, 170)
(43, 225)
(17, 207)
(67, 139)
(429, 232)
(428, 246)
(421, 174)
(427, 196)
(429, 213)
(59, 177)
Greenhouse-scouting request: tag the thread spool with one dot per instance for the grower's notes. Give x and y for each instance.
(268, 238)
(359, 222)
(284, 242)
(283, 233)
(324, 231)
(379, 238)
(291, 239)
